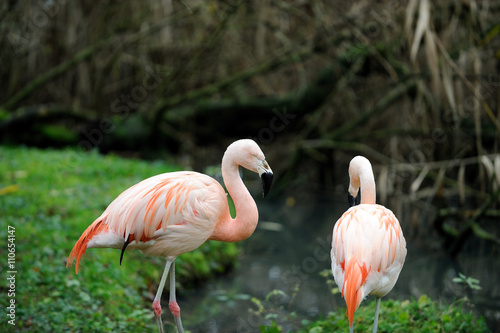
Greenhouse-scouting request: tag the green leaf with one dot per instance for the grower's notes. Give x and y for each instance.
(276, 293)
(403, 317)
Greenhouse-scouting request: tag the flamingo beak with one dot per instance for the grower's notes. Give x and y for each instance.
(266, 175)
(353, 196)
(353, 201)
(267, 179)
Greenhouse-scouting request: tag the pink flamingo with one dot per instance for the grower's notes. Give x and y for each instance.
(368, 246)
(173, 213)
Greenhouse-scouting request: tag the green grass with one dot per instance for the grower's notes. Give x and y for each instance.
(418, 316)
(50, 197)
(407, 316)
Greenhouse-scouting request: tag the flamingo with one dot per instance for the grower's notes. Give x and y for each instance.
(368, 246)
(173, 213)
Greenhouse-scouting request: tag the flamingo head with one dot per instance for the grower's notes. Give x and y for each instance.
(247, 153)
(361, 175)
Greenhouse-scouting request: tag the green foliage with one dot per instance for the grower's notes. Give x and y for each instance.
(274, 328)
(57, 133)
(327, 274)
(422, 315)
(51, 197)
(469, 281)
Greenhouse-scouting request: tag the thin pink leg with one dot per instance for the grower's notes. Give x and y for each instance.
(173, 306)
(156, 301)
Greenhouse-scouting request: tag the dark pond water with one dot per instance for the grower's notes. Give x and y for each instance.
(291, 247)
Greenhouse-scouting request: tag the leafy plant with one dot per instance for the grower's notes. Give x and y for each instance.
(469, 281)
(327, 274)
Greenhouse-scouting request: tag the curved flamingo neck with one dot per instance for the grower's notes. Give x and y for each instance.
(361, 176)
(247, 215)
(368, 193)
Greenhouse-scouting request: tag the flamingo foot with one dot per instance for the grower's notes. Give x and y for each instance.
(174, 308)
(157, 309)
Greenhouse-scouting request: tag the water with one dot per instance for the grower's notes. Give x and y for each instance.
(291, 247)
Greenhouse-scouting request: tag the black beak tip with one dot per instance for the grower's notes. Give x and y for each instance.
(267, 180)
(353, 201)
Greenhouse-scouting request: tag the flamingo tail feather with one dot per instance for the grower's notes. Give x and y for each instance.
(81, 246)
(355, 276)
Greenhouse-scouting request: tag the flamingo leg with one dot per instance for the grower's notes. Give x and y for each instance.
(156, 301)
(172, 304)
(375, 320)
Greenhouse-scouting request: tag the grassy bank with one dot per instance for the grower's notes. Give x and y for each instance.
(50, 197)
(408, 316)
(422, 315)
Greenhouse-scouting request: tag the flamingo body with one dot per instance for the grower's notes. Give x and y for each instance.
(368, 253)
(173, 213)
(165, 215)
(368, 246)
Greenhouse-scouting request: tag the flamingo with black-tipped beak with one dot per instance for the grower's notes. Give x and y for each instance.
(173, 213)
